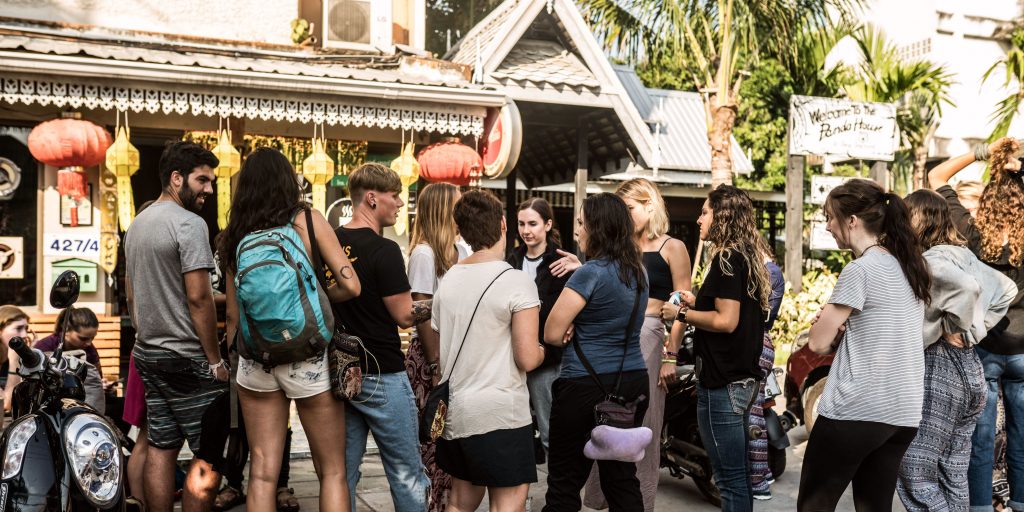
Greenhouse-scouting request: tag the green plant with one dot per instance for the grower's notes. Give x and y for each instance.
(798, 311)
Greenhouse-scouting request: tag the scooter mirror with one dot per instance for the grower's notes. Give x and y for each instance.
(65, 290)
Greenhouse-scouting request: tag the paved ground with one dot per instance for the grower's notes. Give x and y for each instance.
(673, 495)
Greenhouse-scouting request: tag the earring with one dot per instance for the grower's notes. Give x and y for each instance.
(373, 206)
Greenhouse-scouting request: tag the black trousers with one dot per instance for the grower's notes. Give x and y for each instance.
(572, 419)
(864, 452)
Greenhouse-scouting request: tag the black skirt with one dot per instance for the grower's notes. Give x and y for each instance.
(502, 458)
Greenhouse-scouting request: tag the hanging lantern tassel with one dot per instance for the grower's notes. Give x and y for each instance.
(72, 182)
(230, 163)
(408, 170)
(318, 168)
(123, 161)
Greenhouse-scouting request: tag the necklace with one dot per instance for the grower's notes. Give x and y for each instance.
(865, 251)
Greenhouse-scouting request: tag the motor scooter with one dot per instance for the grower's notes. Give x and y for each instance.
(59, 454)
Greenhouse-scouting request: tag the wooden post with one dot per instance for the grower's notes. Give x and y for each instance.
(795, 221)
(880, 173)
(511, 215)
(582, 150)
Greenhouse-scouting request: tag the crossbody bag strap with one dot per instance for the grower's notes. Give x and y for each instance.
(314, 249)
(470, 324)
(625, 350)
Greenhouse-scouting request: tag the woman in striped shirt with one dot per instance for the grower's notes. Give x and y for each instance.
(871, 407)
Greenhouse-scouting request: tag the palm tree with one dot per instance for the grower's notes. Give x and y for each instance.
(1013, 64)
(919, 88)
(717, 40)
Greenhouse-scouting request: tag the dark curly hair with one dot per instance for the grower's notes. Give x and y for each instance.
(267, 195)
(478, 215)
(183, 157)
(610, 236)
(1002, 208)
(734, 229)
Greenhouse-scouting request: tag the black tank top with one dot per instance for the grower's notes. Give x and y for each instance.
(659, 275)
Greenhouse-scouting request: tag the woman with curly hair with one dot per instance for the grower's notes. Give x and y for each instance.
(729, 313)
(871, 406)
(996, 236)
(432, 252)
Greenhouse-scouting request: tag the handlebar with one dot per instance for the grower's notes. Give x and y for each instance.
(29, 358)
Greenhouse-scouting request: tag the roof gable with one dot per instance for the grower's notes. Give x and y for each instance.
(543, 51)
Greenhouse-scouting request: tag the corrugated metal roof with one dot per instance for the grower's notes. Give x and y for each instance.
(683, 140)
(545, 62)
(299, 64)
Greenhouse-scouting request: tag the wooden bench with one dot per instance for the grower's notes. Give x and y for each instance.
(107, 342)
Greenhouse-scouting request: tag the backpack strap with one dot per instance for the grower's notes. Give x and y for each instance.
(318, 265)
(625, 350)
(470, 324)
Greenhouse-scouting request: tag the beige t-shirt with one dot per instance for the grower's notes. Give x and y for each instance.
(488, 390)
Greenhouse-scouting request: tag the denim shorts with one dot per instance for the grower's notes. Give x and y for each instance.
(301, 379)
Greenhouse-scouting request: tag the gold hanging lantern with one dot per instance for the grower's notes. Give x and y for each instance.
(230, 163)
(408, 170)
(318, 168)
(123, 161)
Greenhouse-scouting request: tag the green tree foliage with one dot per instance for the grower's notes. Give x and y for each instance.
(450, 20)
(761, 125)
(1013, 66)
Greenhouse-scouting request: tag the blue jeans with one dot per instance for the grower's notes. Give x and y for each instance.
(386, 408)
(1009, 371)
(539, 383)
(722, 415)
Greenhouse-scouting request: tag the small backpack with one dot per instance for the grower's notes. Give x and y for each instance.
(283, 314)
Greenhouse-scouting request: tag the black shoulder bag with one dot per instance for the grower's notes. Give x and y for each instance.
(614, 410)
(344, 353)
(435, 411)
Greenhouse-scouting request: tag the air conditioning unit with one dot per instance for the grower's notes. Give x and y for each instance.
(356, 24)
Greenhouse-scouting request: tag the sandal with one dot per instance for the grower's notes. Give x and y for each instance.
(228, 498)
(286, 501)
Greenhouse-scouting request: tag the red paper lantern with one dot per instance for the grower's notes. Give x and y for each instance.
(69, 143)
(450, 162)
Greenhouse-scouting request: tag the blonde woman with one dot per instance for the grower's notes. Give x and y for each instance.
(668, 268)
(433, 251)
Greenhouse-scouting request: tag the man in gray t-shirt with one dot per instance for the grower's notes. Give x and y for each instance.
(176, 352)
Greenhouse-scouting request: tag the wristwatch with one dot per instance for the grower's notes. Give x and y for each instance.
(681, 315)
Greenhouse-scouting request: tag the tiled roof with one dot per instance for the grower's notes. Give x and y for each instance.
(545, 62)
(299, 62)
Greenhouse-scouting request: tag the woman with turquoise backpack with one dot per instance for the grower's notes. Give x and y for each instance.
(285, 324)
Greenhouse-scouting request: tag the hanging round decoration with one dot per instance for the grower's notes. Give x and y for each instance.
(450, 162)
(10, 179)
(503, 139)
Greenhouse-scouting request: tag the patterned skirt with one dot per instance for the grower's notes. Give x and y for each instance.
(757, 449)
(419, 376)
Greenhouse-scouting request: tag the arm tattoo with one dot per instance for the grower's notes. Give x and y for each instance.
(421, 310)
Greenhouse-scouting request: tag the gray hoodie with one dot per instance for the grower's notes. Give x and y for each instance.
(968, 296)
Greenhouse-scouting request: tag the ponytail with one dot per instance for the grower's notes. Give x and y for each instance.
(898, 238)
(885, 215)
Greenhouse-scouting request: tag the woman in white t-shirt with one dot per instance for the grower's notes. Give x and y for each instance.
(486, 314)
(434, 249)
(871, 407)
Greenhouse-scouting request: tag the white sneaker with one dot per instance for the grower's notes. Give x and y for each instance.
(763, 496)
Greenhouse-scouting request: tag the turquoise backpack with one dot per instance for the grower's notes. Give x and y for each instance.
(283, 314)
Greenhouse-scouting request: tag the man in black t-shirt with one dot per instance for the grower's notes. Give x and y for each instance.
(386, 406)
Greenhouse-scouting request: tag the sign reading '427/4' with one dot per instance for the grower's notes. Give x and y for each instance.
(71, 245)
